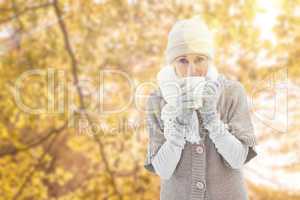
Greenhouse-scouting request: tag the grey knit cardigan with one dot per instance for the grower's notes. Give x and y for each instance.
(204, 174)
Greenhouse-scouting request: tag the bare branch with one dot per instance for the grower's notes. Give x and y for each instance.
(34, 169)
(11, 150)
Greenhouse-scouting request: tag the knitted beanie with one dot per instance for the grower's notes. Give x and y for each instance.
(189, 36)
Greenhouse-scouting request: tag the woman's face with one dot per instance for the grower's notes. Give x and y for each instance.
(191, 65)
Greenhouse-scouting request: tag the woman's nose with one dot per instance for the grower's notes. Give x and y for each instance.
(192, 69)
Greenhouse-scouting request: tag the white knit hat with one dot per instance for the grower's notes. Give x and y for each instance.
(189, 36)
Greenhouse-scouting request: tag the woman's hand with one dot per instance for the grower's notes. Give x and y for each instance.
(182, 111)
(176, 118)
(210, 96)
(173, 131)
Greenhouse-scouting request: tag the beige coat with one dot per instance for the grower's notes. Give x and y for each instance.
(202, 173)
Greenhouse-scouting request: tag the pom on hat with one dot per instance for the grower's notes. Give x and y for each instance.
(189, 36)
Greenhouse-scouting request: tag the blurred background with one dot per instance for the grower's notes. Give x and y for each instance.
(74, 79)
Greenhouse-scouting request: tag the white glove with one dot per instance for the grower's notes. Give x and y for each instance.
(210, 96)
(173, 130)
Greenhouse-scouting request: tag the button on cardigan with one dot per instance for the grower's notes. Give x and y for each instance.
(204, 176)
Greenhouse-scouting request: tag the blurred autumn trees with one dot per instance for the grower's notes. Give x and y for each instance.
(55, 141)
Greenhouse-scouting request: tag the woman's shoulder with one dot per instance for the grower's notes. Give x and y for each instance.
(155, 101)
(232, 86)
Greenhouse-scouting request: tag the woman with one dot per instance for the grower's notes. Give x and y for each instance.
(198, 143)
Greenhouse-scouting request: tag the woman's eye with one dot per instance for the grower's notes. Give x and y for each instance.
(183, 61)
(199, 60)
